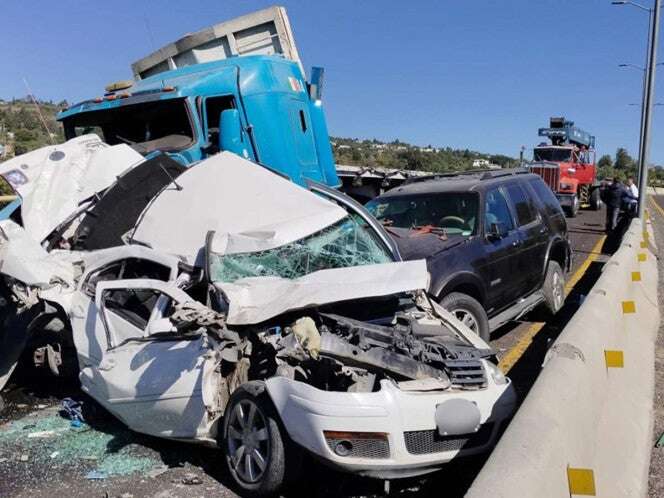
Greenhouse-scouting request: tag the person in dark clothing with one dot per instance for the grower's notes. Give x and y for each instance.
(613, 198)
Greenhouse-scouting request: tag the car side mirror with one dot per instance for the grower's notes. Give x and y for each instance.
(498, 231)
(161, 326)
(230, 132)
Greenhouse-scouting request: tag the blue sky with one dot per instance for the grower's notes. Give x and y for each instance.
(479, 74)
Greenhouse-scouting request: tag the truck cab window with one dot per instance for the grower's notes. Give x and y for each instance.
(162, 124)
(213, 108)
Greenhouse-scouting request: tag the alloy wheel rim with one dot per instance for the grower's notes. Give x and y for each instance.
(558, 291)
(248, 441)
(467, 318)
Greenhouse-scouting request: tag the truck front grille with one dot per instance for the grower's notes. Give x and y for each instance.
(550, 173)
(425, 442)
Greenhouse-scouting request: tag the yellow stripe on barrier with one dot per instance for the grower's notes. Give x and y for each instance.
(628, 307)
(641, 257)
(657, 206)
(644, 244)
(614, 359)
(636, 276)
(581, 481)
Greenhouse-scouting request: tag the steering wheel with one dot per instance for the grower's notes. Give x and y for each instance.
(453, 222)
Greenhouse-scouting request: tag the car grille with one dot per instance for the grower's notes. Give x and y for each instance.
(363, 448)
(466, 374)
(550, 173)
(425, 442)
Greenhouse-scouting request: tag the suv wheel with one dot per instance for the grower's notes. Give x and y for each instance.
(254, 448)
(469, 312)
(554, 287)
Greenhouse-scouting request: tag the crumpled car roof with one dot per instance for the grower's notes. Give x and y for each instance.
(249, 207)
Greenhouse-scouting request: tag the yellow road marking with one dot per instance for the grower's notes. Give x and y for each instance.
(657, 206)
(628, 307)
(512, 356)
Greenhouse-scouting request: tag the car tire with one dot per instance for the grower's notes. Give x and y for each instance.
(554, 288)
(251, 429)
(595, 201)
(469, 311)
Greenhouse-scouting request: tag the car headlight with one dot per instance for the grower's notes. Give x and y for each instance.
(496, 373)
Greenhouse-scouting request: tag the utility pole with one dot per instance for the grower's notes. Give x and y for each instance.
(648, 98)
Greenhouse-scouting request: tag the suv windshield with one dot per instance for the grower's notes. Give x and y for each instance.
(146, 127)
(349, 242)
(552, 154)
(454, 212)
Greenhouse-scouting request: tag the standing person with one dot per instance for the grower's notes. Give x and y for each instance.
(631, 196)
(613, 196)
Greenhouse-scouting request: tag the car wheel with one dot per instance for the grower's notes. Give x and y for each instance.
(554, 287)
(255, 450)
(469, 312)
(595, 201)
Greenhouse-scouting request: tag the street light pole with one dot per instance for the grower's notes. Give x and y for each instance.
(647, 107)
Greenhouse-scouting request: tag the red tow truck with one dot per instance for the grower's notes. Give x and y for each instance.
(567, 165)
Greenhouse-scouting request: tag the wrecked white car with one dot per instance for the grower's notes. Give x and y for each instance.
(242, 311)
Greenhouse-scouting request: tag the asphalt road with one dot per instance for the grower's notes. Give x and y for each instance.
(42, 456)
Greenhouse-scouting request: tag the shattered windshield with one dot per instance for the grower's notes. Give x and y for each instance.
(454, 212)
(349, 242)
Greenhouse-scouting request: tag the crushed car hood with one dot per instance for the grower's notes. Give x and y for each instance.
(53, 181)
(416, 244)
(210, 196)
(256, 299)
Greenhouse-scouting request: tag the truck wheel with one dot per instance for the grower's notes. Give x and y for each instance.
(554, 287)
(573, 210)
(595, 201)
(254, 448)
(469, 312)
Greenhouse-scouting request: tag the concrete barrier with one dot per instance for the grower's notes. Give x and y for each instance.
(585, 428)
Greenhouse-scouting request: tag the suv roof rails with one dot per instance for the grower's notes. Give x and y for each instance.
(482, 174)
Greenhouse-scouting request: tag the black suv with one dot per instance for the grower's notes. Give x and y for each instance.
(495, 242)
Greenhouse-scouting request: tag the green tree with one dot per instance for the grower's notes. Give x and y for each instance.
(606, 161)
(623, 159)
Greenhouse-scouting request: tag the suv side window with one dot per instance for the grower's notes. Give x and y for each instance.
(546, 196)
(134, 305)
(496, 210)
(525, 211)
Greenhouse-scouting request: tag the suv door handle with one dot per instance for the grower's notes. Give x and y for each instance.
(516, 243)
(543, 230)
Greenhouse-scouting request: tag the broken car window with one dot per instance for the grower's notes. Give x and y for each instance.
(349, 242)
(454, 212)
(126, 269)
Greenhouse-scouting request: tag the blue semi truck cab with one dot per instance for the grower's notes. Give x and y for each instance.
(237, 86)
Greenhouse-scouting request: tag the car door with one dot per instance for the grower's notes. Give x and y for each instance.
(497, 268)
(533, 235)
(150, 375)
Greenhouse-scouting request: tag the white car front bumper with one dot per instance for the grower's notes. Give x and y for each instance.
(393, 432)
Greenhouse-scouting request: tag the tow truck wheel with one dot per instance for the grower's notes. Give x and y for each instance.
(573, 210)
(469, 312)
(595, 201)
(255, 451)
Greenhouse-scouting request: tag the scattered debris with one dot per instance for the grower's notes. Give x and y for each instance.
(95, 475)
(157, 471)
(191, 479)
(660, 441)
(55, 454)
(42, 434)
(73, 410)
(24, 458)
